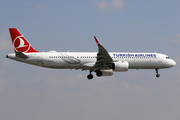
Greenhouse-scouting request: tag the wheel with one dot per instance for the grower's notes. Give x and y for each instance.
(98, 73)
(90, 76)
(158, 75)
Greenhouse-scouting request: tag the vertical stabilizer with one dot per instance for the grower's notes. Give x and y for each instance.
(20, 44)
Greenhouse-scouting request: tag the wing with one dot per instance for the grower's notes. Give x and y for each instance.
(103, 57)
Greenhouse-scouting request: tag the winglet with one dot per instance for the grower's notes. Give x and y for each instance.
(97, 41)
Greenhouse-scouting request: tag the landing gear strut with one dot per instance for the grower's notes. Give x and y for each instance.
(157, 75)
(90, 76)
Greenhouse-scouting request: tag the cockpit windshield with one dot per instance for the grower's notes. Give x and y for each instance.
(167, 57)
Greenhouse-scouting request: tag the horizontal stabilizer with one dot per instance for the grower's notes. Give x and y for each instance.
(21, 55)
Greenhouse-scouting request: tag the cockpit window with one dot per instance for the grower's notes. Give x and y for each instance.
(167, 57)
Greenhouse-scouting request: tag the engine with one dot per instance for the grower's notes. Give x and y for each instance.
(107, 72)
(120, 66)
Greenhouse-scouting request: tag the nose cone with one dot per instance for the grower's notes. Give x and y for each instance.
(172, 63)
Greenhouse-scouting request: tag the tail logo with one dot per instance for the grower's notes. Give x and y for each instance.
(20, 44)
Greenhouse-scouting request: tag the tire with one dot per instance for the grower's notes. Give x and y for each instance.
(90, 76)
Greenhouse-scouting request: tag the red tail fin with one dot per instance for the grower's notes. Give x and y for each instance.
(20, 44)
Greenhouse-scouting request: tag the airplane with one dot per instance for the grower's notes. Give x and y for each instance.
(103, 63)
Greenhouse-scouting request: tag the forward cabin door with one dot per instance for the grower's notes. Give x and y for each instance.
(160, 60)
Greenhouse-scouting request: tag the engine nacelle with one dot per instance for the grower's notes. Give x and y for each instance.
(107, 72)
(120, 66)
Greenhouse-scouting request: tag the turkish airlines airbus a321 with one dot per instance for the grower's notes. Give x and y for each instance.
(103, 63)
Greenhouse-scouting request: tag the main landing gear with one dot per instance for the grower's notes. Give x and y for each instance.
(157, 75)
(90, 76)
(98, 73)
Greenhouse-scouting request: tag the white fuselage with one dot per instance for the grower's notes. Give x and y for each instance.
(86, 60)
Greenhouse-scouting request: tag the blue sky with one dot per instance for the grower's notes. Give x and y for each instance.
(30, 92)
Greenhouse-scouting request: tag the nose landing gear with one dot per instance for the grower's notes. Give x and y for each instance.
(157, 75)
